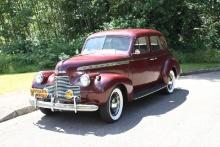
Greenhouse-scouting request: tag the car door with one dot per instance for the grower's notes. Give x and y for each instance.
(140, 64)
(159, 53)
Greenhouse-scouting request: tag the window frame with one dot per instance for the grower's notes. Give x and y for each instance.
(88, 38)
(147, 44)
(158, 43)
(164, 40)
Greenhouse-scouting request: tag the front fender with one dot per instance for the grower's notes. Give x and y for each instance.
(46, 75)
(100, 89)
(170, 64)
(109, 80)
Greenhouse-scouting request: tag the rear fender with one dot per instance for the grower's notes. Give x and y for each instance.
(170, 64)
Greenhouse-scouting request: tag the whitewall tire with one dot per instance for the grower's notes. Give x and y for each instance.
(112, 110)
(171, 83)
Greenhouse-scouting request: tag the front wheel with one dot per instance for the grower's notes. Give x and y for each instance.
(171, 83)
(111, 111)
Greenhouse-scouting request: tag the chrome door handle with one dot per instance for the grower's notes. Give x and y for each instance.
(152, 59)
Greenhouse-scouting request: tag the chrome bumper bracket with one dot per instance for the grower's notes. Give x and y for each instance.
(65, 107)
(35, 101)
(52, 104)
(74, 102)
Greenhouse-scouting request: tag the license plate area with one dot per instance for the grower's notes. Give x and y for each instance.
(39, 93)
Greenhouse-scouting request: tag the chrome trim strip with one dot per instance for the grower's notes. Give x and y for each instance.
(103, 65)
(149, 93)
(139, 59)
(64, 107)
(61, 71)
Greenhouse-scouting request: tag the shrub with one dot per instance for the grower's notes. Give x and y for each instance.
(199, 56)
(16, 63)
(48, 53)
(16, 47)
(39, 56)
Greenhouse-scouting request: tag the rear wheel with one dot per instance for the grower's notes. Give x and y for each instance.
(46, 111)
(111, 111)
(171, 83)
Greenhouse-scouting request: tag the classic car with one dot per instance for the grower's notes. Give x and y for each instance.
(113, 68)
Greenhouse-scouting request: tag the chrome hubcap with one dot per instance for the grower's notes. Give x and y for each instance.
(170, 83)
(115, 103)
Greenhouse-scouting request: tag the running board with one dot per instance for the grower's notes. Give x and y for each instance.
(148, 91)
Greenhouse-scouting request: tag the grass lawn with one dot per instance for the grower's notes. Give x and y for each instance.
(199, 66)
(15, 82)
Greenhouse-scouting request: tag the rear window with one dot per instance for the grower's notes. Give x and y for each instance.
(155, 43)
(163, 42)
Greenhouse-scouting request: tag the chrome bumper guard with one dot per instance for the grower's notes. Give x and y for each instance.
(60, 106)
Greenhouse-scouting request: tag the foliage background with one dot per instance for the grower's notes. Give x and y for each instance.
(34, 34)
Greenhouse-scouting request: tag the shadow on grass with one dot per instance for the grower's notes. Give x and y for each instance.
(90, 123)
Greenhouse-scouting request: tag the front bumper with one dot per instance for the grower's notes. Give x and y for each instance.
(62, 107)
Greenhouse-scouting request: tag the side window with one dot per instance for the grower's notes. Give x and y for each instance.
(155, 43)
(163, 42)
(141, 45)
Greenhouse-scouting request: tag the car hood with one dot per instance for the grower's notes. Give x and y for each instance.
(86, 60)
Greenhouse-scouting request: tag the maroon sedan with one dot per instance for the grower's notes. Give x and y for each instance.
(114, 67)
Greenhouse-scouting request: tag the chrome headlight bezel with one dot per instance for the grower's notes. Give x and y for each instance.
(39, 78)
(85, 80)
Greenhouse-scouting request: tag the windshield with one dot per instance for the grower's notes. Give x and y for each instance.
(115, 44)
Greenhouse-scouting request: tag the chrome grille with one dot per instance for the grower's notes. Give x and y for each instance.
(60, 86)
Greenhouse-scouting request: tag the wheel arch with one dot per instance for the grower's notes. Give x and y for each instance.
(174, 70)
(124, 91)
(170, 64)
(110, 81)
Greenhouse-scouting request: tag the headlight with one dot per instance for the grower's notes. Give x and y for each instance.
(39, 78)
(85, 80)
(56, 71)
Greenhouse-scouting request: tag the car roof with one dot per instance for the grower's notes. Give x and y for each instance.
(126, 32)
